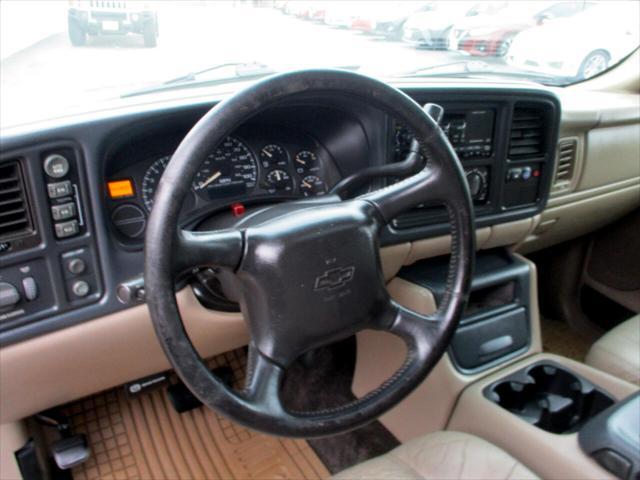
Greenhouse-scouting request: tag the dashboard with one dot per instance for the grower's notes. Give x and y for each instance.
(75, 199)
(259, 164)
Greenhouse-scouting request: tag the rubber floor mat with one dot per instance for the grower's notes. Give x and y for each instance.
(144, 438)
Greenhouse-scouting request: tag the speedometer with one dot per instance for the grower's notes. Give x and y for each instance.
(230, 170)
(151, 179)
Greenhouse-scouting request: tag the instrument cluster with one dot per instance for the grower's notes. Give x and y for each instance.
(247, 167)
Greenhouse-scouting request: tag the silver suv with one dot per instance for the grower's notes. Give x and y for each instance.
(112, 17)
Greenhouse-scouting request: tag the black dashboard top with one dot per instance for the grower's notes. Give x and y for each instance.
(86, 214)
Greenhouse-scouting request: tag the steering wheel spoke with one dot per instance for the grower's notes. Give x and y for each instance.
(425, 187)
(221, 248)
(264, 378)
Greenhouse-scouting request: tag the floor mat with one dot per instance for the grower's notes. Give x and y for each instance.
(325, 383)
(144, 438)
(561, 339)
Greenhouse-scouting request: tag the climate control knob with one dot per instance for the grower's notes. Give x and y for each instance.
(9, 295)
(477, 181)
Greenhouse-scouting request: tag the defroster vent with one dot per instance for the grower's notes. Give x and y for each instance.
(15, 218)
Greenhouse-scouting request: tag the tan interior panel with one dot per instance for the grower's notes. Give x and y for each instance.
(393, 258)
(429, 407)
(68, 364)
(510, 233)
(578, 218)
(549, 455)
(433, 247)
(613, 154)
(12, 437)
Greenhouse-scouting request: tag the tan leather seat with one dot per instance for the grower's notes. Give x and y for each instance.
(618, 351)
(441, 455)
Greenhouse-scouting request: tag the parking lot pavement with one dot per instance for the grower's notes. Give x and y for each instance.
(52, 77)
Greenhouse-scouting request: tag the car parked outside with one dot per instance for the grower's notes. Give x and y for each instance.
(341, 14)
(387, 19)
(431, 29)
(581, 46)
(491, 35)
(114, 18)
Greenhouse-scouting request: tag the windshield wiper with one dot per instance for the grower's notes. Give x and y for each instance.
(472, 68)
(241, 71)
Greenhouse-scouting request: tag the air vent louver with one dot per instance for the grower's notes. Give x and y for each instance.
(566, 159)
(14, 207)
(527, 133)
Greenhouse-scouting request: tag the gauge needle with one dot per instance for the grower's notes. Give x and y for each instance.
(308, 185)
(300, 161)
(266, 152)
(212, 178)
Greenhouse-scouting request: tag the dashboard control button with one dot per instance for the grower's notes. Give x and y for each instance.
(30, 288)
(9, 295)
(56, 166)
(76, 266)
(526, 173)
(67, 229)
(515, 174)
(80, 288)
(59, 189)
(64, 211)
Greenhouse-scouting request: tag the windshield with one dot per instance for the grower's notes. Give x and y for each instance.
(63, 57)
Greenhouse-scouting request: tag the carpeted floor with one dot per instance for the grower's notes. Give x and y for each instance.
(559, 338)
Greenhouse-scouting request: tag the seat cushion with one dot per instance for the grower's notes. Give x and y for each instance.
(618, 351)
(441, 455)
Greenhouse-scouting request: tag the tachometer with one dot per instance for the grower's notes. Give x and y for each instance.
(151, 179)
(230, 170)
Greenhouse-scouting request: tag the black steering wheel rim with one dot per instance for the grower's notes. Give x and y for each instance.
(169, 250)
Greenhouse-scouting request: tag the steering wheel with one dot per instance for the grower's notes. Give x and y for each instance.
(308, 272)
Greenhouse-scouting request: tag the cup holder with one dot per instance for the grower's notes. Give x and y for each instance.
(550, 397)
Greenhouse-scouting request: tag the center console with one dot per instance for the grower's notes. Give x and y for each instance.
(495, 326)
(561, 418)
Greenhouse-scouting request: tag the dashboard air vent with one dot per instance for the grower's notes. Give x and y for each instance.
(527, 133)
(566, 158)
(14, 207)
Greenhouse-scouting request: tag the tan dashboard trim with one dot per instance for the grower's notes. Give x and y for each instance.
(564, 199)
(75, 362)
(13, 436)
(433, 247)
(571, 220)
(549, 455)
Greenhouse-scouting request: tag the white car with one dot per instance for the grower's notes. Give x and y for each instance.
(581, 46)
(432, 29)
(341, 14)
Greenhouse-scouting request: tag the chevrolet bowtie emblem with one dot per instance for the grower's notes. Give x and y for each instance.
(334, 278)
